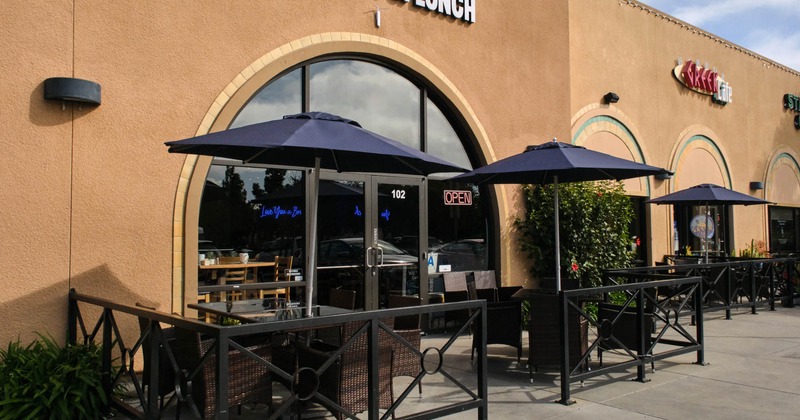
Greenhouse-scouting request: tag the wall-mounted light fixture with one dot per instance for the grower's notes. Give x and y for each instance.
(611, 98)
(756, 185)
(664, 176)
(70, 89)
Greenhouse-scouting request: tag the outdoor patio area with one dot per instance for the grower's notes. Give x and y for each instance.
(752, 371)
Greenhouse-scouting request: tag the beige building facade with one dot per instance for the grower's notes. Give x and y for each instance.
(92, 200)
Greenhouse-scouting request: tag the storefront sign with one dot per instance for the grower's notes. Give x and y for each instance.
(704, 80)
(792, 103)
(459, 9)
(457, 198)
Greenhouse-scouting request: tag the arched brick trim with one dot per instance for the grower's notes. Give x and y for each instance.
(253, 77)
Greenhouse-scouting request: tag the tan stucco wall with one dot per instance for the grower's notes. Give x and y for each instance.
(91, 192)
(631, 49)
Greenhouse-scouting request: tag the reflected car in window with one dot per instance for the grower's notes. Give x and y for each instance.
(341, 262)
(462, 255)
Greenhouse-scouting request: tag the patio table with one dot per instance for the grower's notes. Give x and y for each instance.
(255, 310)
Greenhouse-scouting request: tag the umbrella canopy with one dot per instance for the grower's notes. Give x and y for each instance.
(554, 162)
(314, 140)
(706, 195)
(297, 140)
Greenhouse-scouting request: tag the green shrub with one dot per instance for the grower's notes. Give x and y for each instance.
(595, 218)
(46, 381)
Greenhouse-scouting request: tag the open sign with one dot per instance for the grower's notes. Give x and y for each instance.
(457, 198)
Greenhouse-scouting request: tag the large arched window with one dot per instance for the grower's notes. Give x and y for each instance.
(260, 210)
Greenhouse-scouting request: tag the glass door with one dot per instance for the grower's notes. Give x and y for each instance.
(393, 252)
(368, 237)
(341, 217)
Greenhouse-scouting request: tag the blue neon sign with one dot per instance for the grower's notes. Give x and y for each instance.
(277, 212)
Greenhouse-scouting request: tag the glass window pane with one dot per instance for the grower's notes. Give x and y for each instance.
(443, 142)
(456, 233)
(281, 97)
(255, 210)
(378, 98)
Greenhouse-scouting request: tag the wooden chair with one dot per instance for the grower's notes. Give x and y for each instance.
(345, 381)
(233, 276)
(404, 361)
(283, 272)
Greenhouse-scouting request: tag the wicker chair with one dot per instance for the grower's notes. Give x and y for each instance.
(166, 373)
(404, 361)
(456, 289)
(486, 285)
(622, 326)
(503, 326)
(545, 336)
(345, 382)
(248, 380)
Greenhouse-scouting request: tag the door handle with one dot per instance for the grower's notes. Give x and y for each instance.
(367, 259)
(379, 253)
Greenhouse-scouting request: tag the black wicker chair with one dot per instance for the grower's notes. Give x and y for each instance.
(404, 361)
(503, 326)
(248, 380)
(345, 381)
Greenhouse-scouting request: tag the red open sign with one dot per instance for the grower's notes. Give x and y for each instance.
(457, 198)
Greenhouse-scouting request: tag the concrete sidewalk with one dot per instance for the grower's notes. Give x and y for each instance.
(752, 372)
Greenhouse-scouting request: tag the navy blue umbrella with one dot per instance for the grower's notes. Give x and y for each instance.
(706, 195)
(554, 162)
(314, 140)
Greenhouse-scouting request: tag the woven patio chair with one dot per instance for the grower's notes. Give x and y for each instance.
(345, 382)
(456, 289)
(623, 328)
(503, 326)
(248, 380)
(486, 285)
(404, 361)
(166, 373)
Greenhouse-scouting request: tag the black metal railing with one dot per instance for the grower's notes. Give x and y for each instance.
(648, 326)
(121, 348)
(729, 283)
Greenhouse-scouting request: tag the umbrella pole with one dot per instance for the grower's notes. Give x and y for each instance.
(558, 237)
(311, 255)
(705, 234)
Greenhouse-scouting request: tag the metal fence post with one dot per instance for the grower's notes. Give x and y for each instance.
(563, 315)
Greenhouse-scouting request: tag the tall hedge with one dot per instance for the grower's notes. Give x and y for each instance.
(595, 219)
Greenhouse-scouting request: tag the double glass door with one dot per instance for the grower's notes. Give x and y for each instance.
(369, 229)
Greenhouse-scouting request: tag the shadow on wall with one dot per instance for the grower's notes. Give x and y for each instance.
(45, 310)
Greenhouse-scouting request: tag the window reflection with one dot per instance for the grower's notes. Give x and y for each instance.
(254, 210)
(281, 97)
(443, 142)
(380, 100)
